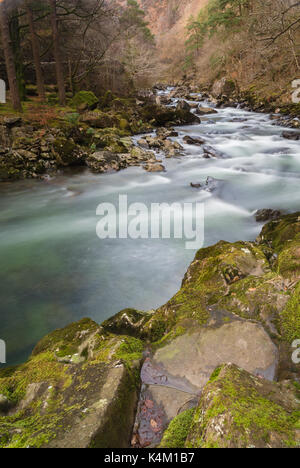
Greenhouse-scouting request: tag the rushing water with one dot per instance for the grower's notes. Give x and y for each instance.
(55, 270)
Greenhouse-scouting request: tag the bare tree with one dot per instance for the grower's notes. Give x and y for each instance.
(9, 57)
(56, 53)
(36, 52)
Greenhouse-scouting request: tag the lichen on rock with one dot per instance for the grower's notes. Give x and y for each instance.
(238, 410)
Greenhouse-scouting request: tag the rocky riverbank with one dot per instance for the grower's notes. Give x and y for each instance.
(226, 93)
(94, 134)
(214, 363)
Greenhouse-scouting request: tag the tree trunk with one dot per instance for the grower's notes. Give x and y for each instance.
(14, 29)
(9, 58)
(36, 53)
(56, 53)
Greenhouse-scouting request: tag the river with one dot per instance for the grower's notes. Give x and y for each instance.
(55, 270)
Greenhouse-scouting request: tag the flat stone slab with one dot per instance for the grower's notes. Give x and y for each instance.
(176, 375)
(194, 356)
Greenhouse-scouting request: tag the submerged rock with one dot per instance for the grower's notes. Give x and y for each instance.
(239, 410)
(291, 135)
(154, 167)
(267, 215)
(205, 111)
(210, 152)
(210, 185)
(193, 141)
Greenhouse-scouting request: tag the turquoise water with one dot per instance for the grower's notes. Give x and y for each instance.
(55, 270)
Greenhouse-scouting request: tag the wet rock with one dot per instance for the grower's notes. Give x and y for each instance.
(210, 185)
(267, 215)
(205, 111)
(172, 148)
(161, 116)
(193, 141)
(180, 92)
(154, 167)
(104, 161)
(291, 135)
(239, 410)
(153, 142)
(210, 152)
(164, 133)
(183, 105)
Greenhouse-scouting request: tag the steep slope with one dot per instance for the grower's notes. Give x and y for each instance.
(167, 20)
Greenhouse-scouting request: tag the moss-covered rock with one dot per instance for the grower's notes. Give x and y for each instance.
(161, 116)
(98, 119)
(238, 410)
(78, 376)
(290, 317)
(176, 434)
(208, 281)
(84, 100)
(127, 322)
(67, 153)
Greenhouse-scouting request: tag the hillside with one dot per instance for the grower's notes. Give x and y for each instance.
(168, 22)
(254, 44)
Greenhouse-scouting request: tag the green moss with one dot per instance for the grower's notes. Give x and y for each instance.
(206, 283)
(174, 333)
(215, 374)
(65, 341)
(289, 259)
(84, 98)
(246, 410)
(279, 233)
(252, 296)
(41, 368)
(176, 434)
(290, 317)
(131, 349)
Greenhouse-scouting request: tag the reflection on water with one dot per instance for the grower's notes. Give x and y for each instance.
(55, 270)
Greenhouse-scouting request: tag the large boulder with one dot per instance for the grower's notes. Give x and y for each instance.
(67, 152)
(163, 116)
(240, 410)
(104, 161)
(84, 100)
(222, 87)
(78, 389)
